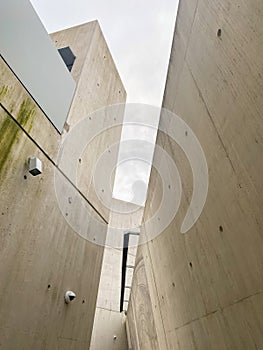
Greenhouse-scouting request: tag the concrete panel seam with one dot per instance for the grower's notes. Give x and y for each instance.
(104, 308)
(217, 310)
(210, 117)
(158, 299)
(191, 30)
(187, 45)
(54, 164)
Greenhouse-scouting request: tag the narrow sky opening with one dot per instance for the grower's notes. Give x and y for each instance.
(139, 35)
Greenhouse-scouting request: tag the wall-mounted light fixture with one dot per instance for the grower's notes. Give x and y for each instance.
(69, 296)
(34, 166)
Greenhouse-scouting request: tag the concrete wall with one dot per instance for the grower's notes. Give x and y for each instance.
(141, 326)
(205, 288)
(99, 86)
(41, 255)
(109, 322)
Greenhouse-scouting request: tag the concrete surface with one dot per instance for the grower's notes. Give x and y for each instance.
(41, 256)
(99, 85)
(109, 331)
(206, 287)
(108, 319)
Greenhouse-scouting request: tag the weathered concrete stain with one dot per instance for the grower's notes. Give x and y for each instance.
(3, 91)
(38, 247)
(10, 131)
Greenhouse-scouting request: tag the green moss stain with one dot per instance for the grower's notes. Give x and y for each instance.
(26, 114)
(12, 108)
(3, 91)
(10, 132)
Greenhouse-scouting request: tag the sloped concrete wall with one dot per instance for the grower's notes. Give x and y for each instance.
(41, 254)
(205, 287)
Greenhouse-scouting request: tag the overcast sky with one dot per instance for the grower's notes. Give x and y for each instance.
(139, 35)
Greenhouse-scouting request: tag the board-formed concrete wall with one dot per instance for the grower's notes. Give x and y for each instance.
(41, 254)
(205, 288)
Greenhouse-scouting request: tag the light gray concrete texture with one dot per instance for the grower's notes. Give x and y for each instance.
(92, 129)
(204, 289)
(41, 254)
(109, 322)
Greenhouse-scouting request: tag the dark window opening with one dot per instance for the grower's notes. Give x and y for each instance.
(67, 56)
(125, 266)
